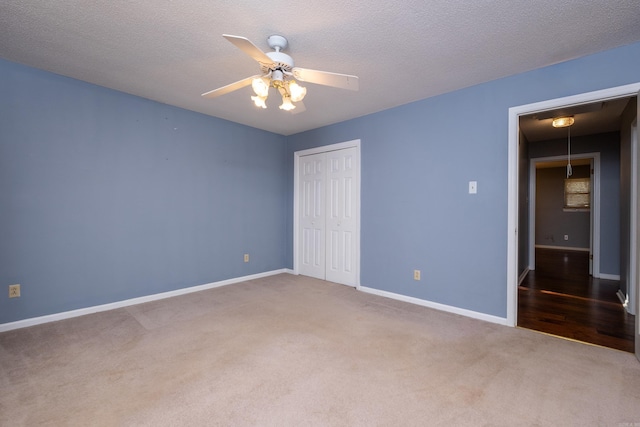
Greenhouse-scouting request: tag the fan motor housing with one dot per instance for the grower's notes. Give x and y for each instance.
(282, 62)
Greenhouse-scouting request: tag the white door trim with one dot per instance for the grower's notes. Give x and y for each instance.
(512, 175)
(296, 185)
(633, 250)
(594, 212)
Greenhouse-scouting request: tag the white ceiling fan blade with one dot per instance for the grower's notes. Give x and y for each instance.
(229, 88)
(342, 81)
(250, 49)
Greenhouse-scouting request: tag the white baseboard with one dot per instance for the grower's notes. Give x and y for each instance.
(133, 301)
(622, 298)
(435, 305)
(562, 248)
(523, 275)
(609, 276)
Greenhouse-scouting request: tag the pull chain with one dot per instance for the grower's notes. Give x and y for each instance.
(569, 170)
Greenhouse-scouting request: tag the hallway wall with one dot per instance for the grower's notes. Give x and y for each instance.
(552, 221)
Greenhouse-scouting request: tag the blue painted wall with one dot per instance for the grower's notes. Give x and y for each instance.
(417, 160)
(105, 196)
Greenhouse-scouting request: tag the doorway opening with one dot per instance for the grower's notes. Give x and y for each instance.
(522, 252)
(552, 225)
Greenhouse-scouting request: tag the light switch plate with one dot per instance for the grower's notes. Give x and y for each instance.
(473, 187)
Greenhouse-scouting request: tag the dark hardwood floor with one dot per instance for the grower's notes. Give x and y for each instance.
(561, 298)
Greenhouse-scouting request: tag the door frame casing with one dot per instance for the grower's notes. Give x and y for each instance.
(594, 238)
(296, 200)
(512, 172)
(632, 303)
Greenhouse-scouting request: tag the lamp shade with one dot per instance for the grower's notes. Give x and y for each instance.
(297, 92)
(260, 87)
(286, 104)
(260, 101)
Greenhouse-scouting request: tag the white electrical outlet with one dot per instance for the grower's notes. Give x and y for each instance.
(416, 274)
(566, 237)
(14, 291)
(246, 257)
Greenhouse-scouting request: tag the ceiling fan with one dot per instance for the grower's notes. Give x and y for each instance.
(278, 71)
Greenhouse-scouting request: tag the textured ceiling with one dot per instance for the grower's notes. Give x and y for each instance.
(403, 51)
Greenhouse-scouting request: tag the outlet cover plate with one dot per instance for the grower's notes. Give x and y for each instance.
(14, 291)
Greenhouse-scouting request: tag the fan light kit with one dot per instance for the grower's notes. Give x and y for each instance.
(278, 72)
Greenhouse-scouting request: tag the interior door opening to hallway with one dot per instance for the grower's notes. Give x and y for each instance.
(516, 224)
(327, 214)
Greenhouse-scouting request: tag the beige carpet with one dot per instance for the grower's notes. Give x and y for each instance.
(294, 351)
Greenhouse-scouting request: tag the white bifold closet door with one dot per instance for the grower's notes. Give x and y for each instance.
(327, 216)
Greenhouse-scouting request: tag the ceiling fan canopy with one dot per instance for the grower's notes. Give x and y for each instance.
(278, 71)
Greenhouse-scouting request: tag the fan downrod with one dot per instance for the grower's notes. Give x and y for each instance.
(277, 42)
